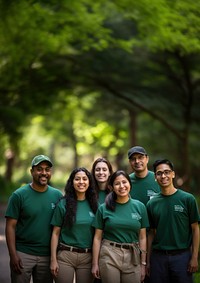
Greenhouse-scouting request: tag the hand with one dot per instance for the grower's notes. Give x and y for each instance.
(148, 270)
(16, 263)
(193, 265)
(143, 272)
(54, 267)
(95, 271)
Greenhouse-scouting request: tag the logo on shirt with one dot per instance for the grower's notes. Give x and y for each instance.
(178, 207)
(135, 216)
(91, 214)
(151, 194)
(53, 205)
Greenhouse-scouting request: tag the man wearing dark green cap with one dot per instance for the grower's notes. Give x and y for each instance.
(28, 229)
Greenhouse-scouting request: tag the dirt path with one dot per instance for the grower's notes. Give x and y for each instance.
(4, 257)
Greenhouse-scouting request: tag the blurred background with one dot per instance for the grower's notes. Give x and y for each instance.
(83, 79)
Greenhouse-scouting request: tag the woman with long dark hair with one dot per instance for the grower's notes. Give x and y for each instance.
(73, 233)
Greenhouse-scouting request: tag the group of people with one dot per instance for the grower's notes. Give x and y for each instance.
(107, 226)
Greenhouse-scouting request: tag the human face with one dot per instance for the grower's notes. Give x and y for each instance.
(164, 175)
(121, 187)
(139, 162)
(101, 172)
(41, 174)
(81, 183)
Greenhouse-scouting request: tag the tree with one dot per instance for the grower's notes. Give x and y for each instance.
(142, 55)
(159, 74)
(32, 35)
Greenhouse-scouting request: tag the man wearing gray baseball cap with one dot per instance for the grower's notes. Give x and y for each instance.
(143, 181)
(28, 229)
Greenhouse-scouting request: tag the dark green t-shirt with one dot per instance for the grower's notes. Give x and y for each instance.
(172, 217)
(33, 211)
(123, 224)
(102, 196)
(143, 189)
(81, 234)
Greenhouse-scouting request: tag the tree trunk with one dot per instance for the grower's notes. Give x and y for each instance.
(183, 173)
(10, 159)
(133, 127)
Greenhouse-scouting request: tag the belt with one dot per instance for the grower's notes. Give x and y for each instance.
(123, 246)
(170, 252)
(62, 247)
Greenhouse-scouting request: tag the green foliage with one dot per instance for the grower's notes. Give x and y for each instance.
(82, 68)
(165, 25)
(196, 277)
(32, 35)
(7, 189)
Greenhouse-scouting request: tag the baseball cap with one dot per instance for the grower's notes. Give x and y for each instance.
(136, 149)
(40, 158)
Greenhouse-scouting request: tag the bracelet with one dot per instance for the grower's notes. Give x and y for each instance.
(143, 263)
(143, 251)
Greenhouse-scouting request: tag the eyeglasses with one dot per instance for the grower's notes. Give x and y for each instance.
(165, 172)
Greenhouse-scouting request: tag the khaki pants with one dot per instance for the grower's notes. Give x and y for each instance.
(119, 265)
(36, 266)
(74, 266)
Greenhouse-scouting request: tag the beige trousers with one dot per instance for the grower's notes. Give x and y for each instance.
(119, 265)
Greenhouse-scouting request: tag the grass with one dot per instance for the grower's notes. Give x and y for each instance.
(197, 277)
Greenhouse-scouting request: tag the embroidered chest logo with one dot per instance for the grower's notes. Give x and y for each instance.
(53, 205)
(135, 216)
(178, 207)
(151, 193)
(91, 214)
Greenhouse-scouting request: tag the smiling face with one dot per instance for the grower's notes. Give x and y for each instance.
(139, 162)
(121, 187)
(164, 175)
(41, 174)
(101, 172)
(81, 183)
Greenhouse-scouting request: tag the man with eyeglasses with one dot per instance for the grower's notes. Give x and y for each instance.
(173, 239)
(28, 228)
(144, 186)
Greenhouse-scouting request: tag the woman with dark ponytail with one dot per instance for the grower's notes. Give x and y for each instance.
(119, 246)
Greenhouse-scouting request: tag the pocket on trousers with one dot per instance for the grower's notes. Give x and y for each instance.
(135, 256)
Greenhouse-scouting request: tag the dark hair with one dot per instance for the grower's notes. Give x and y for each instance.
(163, 161)
(101, 159)
(110, 200)
(71, 197)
